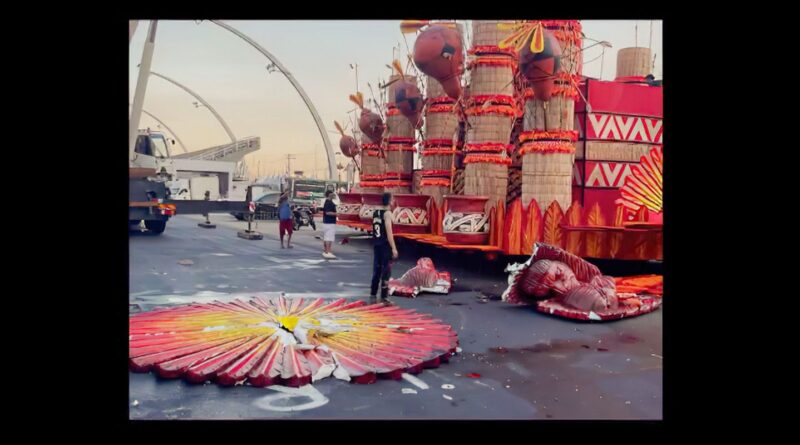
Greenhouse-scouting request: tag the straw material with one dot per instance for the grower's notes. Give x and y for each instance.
(486, 32)
(545, 198)
(437, 193)
(400, 161)
(489, 128)
(437, 162)
(489, 80)
(633, 62)
(484, 179)
(616, 151)
(398, 190)
(559, 114)
(433, 88)
(366, 140)
(547, 164)
(399, 126)
(440, 125)
(372, 165)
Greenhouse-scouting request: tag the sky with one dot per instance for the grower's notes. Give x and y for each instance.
(232, 76)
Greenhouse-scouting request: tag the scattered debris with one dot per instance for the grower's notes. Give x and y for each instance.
(448, 386)
(627, 402)
(473, 375)
(657, 356)
(586, 346)
(135, 403)
(344, 241)
(409, 391)
(602, 349)
(458, 350)
(185, 263)
(447, 397)
(500, 349)
(508, 386)
(414, 381)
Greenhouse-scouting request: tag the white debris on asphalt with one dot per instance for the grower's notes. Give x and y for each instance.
(409, 391)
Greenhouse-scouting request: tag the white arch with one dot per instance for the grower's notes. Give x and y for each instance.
(296, 85)
(197, 96)
(168, 129)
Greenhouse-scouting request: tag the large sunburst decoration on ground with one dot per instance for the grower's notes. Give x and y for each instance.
(289, 341)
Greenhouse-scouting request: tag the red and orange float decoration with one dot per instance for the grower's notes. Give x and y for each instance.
(282, 341)
(370, 122)
(421, 278)
(369, 203)
(349, 207)
(407, 97)
(439, 53)
(410, 214)
(560, 283)
(347, 144)
(539, 55)
(466, 221)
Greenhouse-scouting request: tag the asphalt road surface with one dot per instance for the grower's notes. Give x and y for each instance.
(531, 365)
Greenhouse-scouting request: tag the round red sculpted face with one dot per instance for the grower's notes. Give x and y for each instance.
(348, 146)
(547, 278)
(408, 100)
(438, 52)
(371, 124)
(540, 68)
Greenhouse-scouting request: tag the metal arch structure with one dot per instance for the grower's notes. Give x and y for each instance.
(197, 96)
(183, 147)
(320, 126)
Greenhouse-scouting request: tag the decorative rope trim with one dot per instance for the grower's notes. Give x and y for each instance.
(437, 151)
(400, 140)
(437, 143)
(491, 147)
(487, 158)
(492, 109)
(535, 135)
(547, 147)
(495, 99)
(437, 173)
(491, 49)
(436, 182)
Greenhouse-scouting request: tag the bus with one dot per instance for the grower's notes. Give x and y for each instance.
(311, 192)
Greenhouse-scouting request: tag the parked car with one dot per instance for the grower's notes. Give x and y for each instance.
(266, 208)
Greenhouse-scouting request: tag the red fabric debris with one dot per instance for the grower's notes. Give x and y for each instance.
(421, 278)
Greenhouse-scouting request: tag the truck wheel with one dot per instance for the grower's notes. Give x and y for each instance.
(155, 226)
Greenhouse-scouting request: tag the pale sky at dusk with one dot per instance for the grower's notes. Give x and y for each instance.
(231, 75)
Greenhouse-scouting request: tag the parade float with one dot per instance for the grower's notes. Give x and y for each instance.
(555, 157)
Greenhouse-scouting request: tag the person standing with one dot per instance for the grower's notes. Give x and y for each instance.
(384, 249)
(285, 218)
(328, 225)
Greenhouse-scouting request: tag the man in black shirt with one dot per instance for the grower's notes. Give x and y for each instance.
(383, 247)
(328, 225)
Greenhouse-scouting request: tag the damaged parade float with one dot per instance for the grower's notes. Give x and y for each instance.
(521, 155)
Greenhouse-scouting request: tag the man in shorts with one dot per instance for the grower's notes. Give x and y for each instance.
(286, 220)
(384, 249)
(328, 225)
